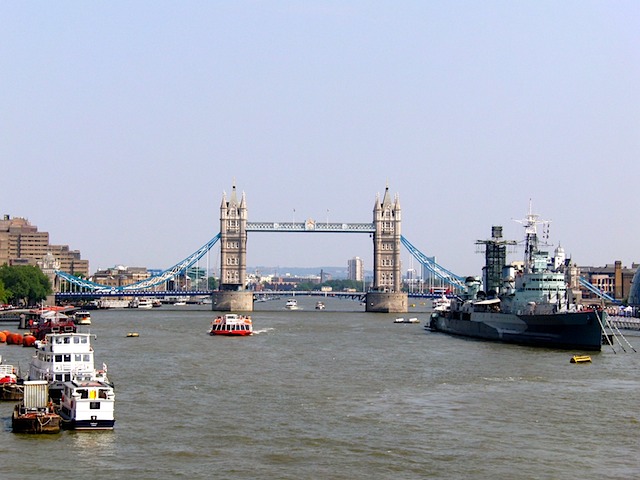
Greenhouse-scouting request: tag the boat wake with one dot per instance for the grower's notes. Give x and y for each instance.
(263, 330)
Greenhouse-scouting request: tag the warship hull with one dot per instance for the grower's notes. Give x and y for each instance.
(571, 331)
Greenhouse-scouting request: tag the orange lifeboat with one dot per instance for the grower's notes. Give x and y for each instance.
(28, 341)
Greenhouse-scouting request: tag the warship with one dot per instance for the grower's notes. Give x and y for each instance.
(532, 305)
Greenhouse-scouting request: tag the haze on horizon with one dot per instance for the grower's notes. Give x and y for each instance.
(124, 122)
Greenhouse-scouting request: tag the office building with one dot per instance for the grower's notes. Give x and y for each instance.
(355, 269)
(22, 244)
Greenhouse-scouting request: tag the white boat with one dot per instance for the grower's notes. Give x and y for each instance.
(141, 303)
(87, 405)
(292, 304)
(406, 320)
(65, 357)
(82, 317)
(319, 306)
(145, 303)
(180, 302)
(441, 304)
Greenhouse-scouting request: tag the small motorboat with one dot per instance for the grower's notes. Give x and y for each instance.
(292, 304)
(82, 317)
(406, 320)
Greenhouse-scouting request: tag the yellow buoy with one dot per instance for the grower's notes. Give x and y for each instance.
(580, 359)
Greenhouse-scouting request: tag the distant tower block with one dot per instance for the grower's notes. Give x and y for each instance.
(233, 256)
(386, 294)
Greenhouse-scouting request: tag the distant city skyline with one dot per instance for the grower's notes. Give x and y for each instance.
(124, 123)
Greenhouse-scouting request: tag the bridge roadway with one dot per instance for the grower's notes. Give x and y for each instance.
(207, 293)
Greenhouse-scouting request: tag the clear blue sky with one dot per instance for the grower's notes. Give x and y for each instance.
(122, 123)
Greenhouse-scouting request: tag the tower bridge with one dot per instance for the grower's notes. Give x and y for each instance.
(385, 294)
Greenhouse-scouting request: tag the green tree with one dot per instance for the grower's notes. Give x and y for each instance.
(3, 293)
(25, 284)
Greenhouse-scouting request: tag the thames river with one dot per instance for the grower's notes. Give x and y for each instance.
(337, 394)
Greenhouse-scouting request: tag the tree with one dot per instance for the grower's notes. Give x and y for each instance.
(3, 293)
(24, 284)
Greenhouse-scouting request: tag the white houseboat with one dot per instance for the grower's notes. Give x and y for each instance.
(65, 357)
(87, 405)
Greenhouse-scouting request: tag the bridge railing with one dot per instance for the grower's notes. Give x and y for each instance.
(310, 226)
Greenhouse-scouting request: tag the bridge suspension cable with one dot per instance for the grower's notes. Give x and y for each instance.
(592, 288)
(168, 274)
(430, 264)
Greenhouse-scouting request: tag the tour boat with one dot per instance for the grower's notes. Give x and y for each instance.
(292, 304)
(65, 357)
(87, 405)
(35, 414)
(231, 324)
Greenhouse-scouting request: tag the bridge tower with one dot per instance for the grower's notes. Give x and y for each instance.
(386, 294)
(233, 256)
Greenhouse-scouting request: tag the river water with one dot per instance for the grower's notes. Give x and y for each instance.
(337, 394)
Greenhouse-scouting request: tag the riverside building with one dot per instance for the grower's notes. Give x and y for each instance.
(22, 244)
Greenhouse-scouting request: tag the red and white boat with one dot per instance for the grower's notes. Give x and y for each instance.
(11, 388)
(51, 320)
(231, 324)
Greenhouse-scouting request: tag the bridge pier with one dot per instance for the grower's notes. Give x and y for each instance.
(232, 301)
(387, 302)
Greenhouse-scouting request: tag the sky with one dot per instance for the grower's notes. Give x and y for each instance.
(123, 123)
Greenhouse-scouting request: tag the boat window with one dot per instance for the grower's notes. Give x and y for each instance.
(59, 377)
(86, 357)
(67, 340)
(83, 393)
(58, 358)
(58, 340)
(83, 340)
(67, 377)
(94, 405)
(78, 357)
(102, 393)
(76, 340)
(67, 358)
